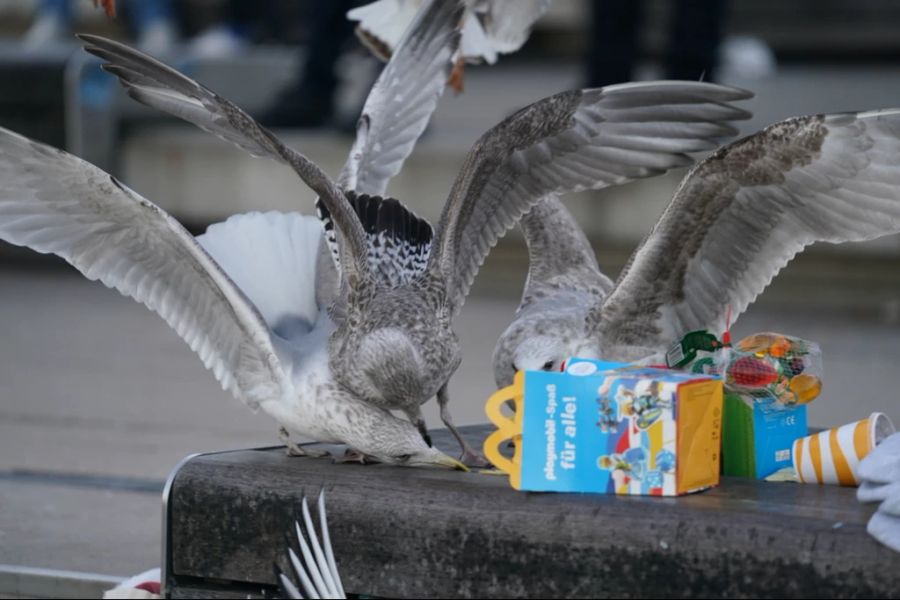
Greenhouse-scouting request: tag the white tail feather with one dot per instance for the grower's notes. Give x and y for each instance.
(271, 257)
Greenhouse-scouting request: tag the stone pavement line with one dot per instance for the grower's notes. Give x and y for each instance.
(16, 580)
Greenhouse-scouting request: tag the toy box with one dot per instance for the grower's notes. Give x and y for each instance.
(757, 437)
(609, 428)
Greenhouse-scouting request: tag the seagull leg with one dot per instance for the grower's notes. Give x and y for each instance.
(293, 449)
(455, 80)
(470, 457)
(354, 456)
(415, 417)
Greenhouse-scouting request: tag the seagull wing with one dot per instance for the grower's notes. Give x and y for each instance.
(584, 139)
(53, 202)
(559, 255)
(743, 213)
(159, 86)
(403, 98)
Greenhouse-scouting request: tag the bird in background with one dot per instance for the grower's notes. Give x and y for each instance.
(735, 221)
(490, 28)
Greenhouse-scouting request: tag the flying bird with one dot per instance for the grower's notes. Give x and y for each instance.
(736, 219)
(490, 28)
(391, 345)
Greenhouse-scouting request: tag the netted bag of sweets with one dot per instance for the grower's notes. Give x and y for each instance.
(767, 367)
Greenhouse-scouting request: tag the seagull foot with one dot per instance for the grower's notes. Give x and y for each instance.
(293, 449)
(354, 456)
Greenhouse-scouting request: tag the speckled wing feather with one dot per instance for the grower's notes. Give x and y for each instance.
(559, 255)
(743, 213)
(399, 242)
(53, 202)
(403, 98)
(586, 139)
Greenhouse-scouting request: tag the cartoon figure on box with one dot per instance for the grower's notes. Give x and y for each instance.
(608, 421)
(631, 463)
(643, 402)
(636, 449)
(648, 406)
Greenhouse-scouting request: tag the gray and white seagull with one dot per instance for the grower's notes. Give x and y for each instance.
(386, 338)
(251, 295)
(737, 219)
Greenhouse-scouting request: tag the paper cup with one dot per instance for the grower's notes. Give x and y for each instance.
(833, 455)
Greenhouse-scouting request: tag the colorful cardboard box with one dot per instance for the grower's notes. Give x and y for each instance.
(757, 437)
(608, 428)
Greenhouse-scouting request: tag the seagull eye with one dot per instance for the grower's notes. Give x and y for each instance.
(548, 366)
(402, 457)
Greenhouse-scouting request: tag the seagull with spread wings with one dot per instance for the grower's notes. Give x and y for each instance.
(387, 339)
(737, 219)
(252, 295)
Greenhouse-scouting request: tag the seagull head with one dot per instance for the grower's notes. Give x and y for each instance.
(538, 344)
(394, 441)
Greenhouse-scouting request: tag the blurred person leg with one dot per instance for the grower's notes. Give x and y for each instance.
(52, 23)
(696, 32)
(612, 50)
(309, 101)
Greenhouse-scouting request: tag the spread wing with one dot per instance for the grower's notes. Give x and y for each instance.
(157, 85)
(743, 213)
(403, 98)
(585, 139)
(53, 202)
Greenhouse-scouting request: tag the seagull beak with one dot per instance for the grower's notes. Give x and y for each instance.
(452, 463)
(439, 459)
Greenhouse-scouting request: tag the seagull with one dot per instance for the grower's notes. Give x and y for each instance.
(490, 28)
(563, 282)
(402, 283)
(253, 296)
(736, 219)
(879, 473)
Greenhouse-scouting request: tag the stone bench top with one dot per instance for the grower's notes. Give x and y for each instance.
(419, 533)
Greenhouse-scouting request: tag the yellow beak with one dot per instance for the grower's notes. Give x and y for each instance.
(442, 460)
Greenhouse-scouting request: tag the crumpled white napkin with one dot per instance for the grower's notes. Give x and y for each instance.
(144, 585)
(879, 475)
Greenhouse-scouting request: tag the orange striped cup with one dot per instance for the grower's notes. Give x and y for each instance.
(833, 455)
